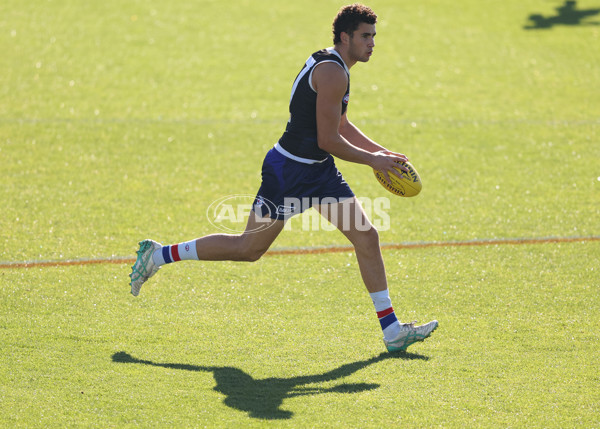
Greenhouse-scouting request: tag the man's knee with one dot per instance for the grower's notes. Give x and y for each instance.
(366, 238)
(372, 236)
(251, 252)
(252, 255)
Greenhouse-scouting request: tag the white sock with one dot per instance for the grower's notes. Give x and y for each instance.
(175, 252)
(385, 313)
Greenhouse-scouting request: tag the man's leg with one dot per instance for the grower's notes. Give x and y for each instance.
(248, 246)
(349, 217)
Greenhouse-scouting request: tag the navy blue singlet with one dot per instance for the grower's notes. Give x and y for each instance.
(300, 136)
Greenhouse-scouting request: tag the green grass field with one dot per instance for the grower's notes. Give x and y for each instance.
(121, 121)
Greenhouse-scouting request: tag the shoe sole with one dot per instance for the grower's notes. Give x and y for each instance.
(145, 244)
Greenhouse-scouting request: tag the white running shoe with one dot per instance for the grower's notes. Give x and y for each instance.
(410, 334)
(144, 266)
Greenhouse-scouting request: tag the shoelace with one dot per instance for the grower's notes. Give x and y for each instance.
(411, 324)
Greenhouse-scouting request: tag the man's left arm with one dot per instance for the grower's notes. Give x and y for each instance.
(357, 138)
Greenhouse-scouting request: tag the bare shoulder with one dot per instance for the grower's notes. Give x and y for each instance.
(330, 75)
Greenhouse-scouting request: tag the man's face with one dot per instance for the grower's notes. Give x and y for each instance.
(362, 42)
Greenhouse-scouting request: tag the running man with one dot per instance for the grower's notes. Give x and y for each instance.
(300, 167)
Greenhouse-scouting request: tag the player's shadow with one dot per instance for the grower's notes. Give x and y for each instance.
(567, 14)
(262, 398)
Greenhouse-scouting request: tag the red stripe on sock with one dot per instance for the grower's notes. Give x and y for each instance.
(385, 312)
(175, 252)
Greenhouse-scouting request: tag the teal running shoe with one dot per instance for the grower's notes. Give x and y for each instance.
(144, 266)
(410, 334)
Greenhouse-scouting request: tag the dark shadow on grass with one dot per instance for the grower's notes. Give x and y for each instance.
(567, 14)
(263, 398)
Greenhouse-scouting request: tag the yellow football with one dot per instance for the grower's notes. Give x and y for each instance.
(409, 186)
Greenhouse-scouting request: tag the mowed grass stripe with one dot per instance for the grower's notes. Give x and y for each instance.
(321, 249)
(282, 120)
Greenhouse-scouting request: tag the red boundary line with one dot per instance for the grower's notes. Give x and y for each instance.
(322, 250)
(491, 242)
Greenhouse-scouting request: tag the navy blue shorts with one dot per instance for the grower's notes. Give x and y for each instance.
(290, 187)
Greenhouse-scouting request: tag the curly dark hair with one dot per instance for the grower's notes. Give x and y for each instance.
(349, 18)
